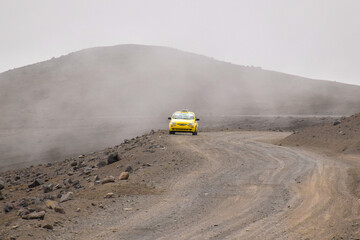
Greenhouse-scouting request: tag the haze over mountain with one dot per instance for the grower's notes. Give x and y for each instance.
(98, 96)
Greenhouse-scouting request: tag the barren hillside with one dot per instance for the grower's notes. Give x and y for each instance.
(94, 98)
(339, 136)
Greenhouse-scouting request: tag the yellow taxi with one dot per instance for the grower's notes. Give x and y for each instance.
(183, 121)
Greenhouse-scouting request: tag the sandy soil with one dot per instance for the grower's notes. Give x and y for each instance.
(217, 185)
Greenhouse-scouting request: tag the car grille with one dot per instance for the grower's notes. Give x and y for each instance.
(182, 124)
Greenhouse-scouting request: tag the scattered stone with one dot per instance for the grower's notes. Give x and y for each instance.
(87, 170)
(8, 208)
(124, 176)
(1, 196)
(48, 187)
(59, 209)
(14, 227)
(108, 180)
(128, 209)
(73, 163)
(66, 197)
(35, 183)
(128, 169)
(77, 182)
(67, 181)
(78, 210)
(109, 195)
(337, 122)
(126, 141)
(81, 156)
(114, 157)
(34, 215)
(48, 226)
(51, 204)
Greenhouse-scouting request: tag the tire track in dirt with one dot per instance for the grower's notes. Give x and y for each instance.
(240, 188)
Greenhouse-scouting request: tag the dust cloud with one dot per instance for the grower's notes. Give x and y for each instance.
(94, 98)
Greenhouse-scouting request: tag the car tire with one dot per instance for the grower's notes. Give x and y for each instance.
(195, 133)
(171, 132)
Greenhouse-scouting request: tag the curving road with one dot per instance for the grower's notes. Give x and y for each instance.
(241, 187)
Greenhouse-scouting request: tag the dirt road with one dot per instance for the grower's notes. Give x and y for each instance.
(239, 187)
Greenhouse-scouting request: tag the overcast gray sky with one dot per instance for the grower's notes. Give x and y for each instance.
(313, 38)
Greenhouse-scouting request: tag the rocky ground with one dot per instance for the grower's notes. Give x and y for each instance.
(50, 197)
(341, 136)
(224, 184)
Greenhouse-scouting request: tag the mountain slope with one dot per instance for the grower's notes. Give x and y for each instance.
(96, 97)
(134, 79)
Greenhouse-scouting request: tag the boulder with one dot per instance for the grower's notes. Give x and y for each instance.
(35, 183)
(114, 157)
(124, 176)
(66, 197)
(108, 180)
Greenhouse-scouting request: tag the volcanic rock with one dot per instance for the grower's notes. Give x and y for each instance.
(48, 226)
(337, 122)
(35, 183)
(114, 157)
(8, 208)
(128, 169)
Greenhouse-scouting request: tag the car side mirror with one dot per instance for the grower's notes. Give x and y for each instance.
(198, 119)
(169, 118)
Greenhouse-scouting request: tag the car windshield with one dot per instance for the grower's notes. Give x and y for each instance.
(183, 116)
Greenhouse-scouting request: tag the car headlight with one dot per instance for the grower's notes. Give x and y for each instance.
(191, 124)
(173, 123)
